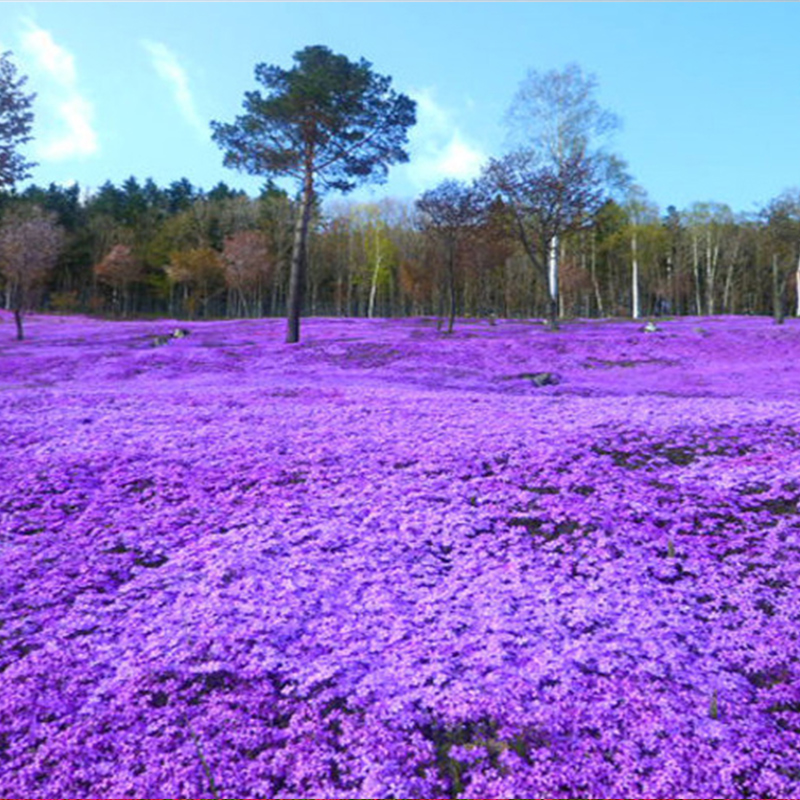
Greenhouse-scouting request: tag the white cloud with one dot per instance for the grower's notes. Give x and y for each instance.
(57, 62)
(79, 138)
(166, 64)
(64, 107)
(459, 160)
(437, 147)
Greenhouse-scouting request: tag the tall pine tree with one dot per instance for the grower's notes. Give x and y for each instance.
(329, 123)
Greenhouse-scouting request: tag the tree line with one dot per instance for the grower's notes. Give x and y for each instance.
(555, 228)
(140, 249)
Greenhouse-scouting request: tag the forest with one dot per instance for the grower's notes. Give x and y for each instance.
(140, 249)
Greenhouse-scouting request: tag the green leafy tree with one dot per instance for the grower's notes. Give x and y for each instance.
(16, 119)
(781, 218)
(180, 195)
(379, 251)
(328, 123)
(275, 219)
(199, 272)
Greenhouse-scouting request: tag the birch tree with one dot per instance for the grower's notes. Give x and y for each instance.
(641, 212)
(383, 255)
(556, 178)
(707, 224)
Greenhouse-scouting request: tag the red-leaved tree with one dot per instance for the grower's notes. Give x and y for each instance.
(30, 241)
(247, 263)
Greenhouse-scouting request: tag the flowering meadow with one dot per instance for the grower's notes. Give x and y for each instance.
(389, 562)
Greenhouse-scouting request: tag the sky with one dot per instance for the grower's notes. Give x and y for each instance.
(708, 93)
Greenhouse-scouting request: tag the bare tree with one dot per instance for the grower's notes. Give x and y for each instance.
(451, 213)
(30, 242)
(708, 226)
(556, 179)
(247, 263)
(547, 204)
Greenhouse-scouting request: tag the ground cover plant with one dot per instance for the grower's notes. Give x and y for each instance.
(389, 562)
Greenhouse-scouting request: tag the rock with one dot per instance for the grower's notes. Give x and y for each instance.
(545, 379)
(163, 338)
(540, 378)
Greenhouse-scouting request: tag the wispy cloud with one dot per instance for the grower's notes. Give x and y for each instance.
(438, 149)
(63, 106)
(169, 69)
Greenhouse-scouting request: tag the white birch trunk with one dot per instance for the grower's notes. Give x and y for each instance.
(726, 290)
(373, 289)
(697, 297)
(552, 269)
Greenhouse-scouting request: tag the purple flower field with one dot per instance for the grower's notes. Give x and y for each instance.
(387, 562)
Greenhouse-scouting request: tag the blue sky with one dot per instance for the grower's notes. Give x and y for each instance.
(709, 94)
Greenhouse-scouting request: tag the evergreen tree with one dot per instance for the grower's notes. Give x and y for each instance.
(16, 119)
(327, 122)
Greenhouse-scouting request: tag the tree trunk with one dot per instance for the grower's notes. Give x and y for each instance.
(243, 300)
(728, 286)
(635, 302)
(18, 323)
(777, 295)
(673, 301)
(797, 287)
(697, 290)
(451, 287)
(552, 283)
(373, 289)
(712, 261)
(297, 278)
(507, 288)
(726, 289)
(598, 297)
